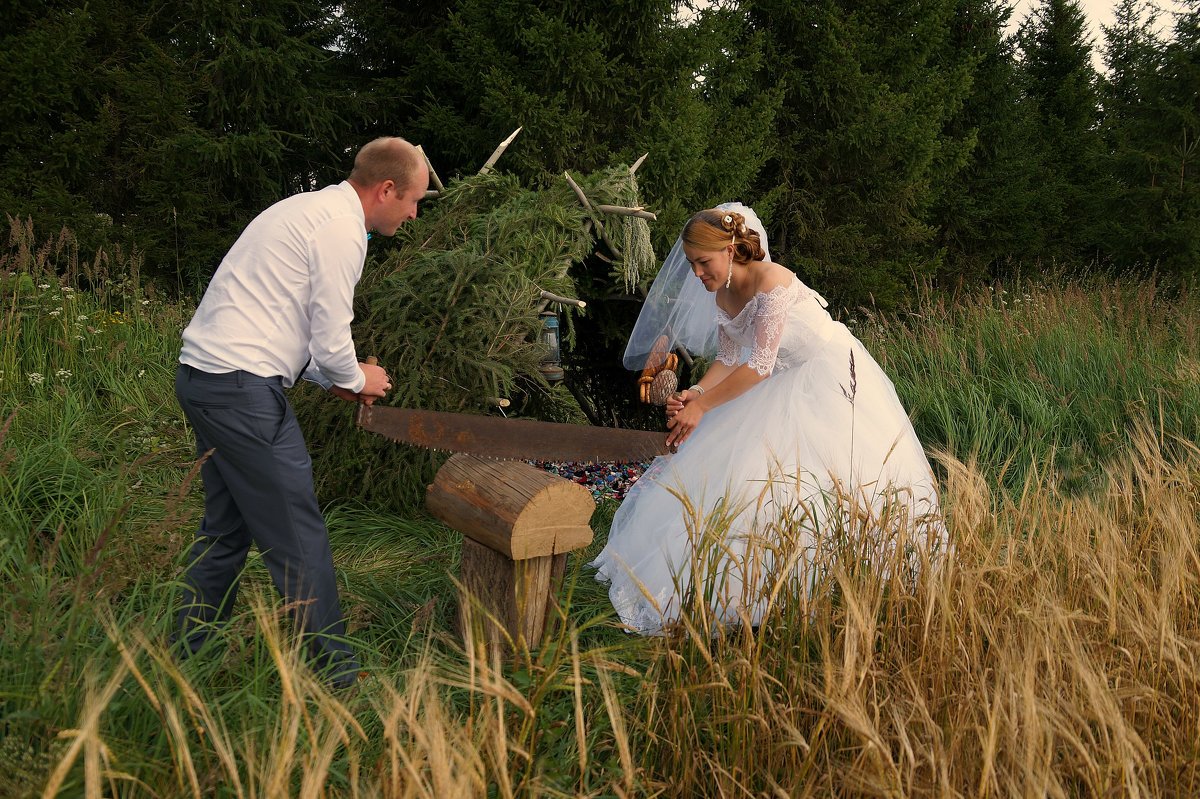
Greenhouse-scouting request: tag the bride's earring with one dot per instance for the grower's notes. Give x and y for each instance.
(729, 277)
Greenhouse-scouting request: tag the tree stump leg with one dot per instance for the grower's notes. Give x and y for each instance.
(518, 594)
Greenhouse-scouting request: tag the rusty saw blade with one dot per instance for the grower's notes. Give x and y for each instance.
(510, 439)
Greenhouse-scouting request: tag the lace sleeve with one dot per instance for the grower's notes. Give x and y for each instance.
(769, 319)
(729, 350)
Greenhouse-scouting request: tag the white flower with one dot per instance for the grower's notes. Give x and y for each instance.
(79, 338)
(141, 372)
(81, 318)
(62, 374)
(145, 302)
(56, 312)
(36, 379)
(43, 286)
(68, 290)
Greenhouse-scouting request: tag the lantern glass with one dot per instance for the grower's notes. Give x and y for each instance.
(551, 365)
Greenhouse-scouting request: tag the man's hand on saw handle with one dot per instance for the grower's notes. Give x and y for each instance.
(378, 383)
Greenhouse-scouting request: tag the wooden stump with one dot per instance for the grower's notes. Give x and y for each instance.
(518, 522)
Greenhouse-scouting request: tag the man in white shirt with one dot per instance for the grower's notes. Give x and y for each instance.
(277, 309)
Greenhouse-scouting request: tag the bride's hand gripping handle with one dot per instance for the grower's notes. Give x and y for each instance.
(683, 414)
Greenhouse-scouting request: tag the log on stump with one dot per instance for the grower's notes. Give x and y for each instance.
(518, 524)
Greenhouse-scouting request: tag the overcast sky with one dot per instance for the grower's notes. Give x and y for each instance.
(1099, 12)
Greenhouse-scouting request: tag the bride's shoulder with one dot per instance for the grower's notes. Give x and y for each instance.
(771, 276)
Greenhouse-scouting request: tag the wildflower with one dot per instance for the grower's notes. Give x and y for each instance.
(43, 286)
(81, 318)
(141, 372)
(79, 338)
(68, 290)
(56, 312)
(145, 302)
(62, 374)
(36, 378)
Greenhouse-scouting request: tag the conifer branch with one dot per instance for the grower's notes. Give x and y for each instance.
(491, 162)
(583, 200)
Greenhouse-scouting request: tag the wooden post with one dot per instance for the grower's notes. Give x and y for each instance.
(518, 523)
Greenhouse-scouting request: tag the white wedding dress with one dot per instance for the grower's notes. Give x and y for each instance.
(821, 440)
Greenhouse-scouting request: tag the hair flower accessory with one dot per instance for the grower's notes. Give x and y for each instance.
(728, 219)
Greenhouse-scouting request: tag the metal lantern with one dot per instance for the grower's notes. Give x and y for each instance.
(551, 365)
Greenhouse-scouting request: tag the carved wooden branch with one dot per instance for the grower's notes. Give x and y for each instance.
(639, 212)
(433, 175)
(491, 162)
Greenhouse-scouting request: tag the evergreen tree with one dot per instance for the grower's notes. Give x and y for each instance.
(168, 127)
(271, 115)
(1131, 98)
(1180, 153)
(61, 64)
(591, 84)
(1058, 77)
(985, 216)
(863, 150)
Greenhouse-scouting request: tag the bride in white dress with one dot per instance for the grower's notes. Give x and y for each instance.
(793, 435)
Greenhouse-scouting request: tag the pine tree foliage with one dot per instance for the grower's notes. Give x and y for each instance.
(168, 127)
(862, 148)
(985, 214)
(452, 312)
(882, 141)
(1180, 134)
(591, 84)
(1131, 95)
(1058, 77)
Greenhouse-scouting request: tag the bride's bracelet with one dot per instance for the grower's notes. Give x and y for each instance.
(699, 389)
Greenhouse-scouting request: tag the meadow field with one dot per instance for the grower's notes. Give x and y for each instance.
(1054, 651)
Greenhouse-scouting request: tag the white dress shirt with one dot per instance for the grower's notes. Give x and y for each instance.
(283, 295)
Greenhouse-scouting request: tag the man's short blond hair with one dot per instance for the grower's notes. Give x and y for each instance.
(386, 158)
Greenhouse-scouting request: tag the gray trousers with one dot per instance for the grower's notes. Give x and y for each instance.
(258, 489)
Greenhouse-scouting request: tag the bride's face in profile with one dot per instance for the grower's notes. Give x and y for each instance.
(711, 266)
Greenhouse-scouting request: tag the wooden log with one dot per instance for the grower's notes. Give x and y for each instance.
(518, 522)
(516, 509)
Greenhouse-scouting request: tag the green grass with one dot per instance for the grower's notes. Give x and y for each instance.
(1056, 655)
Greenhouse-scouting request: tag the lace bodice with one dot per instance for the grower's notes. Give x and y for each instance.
(775, 330)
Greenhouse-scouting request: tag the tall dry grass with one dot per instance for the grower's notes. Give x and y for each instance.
(1054, 651)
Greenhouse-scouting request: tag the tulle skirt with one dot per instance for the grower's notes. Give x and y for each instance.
(737, 517)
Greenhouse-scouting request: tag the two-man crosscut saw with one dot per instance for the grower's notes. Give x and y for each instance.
(511, 439)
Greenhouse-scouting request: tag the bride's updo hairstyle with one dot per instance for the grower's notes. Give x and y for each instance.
(715, 229)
